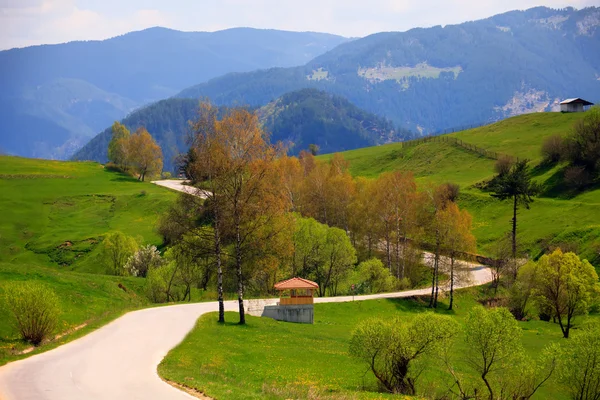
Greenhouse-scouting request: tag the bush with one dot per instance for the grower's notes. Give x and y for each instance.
(143, 260)
(390, 348)
(163, 284)
(552, 149)
(35, 310)
(577, 177)
(166, 175)
(503, 165)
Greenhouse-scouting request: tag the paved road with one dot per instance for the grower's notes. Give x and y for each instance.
(119, 360)
(178, 184)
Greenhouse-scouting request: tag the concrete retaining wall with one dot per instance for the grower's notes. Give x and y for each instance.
(303, 314)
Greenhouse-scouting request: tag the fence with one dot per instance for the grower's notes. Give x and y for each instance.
(459, 143)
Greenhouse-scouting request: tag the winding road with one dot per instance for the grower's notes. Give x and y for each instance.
(119, 360)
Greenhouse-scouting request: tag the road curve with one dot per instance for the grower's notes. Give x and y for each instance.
(119, 360)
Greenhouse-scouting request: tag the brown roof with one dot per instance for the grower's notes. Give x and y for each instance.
(296, 283)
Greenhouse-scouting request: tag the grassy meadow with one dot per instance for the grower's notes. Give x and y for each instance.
(557, 217)
(268, 359)
(54, 215)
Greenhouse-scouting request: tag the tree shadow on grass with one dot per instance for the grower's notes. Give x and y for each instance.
(419, 304)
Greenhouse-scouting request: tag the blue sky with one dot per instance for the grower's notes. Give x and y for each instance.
(30, 22)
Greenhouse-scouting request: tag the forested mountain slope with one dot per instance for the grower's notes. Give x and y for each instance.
(54, 98)
(443, 77)
(298, 119)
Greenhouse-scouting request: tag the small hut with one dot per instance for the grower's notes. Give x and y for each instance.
(295, 301)
(574, 105)
(296, 291)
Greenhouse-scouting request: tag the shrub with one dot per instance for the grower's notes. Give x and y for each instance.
(35, 310)
(391, 347)
(503, 165)
(166, 175)
(163, 284)
(143, 260)
(552, 148)
(577, 177)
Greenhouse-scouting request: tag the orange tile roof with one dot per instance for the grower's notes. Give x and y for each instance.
(296, 283)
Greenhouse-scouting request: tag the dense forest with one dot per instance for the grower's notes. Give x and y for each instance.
(297, 119)
(443, 77)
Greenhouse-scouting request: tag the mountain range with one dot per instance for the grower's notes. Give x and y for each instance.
(297, 119)
(55, 98)
(443, 77)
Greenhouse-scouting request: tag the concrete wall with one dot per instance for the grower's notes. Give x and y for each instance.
(303, 314)
(256, 307)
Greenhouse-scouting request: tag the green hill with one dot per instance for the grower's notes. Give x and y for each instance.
(54, 216)
(555, 218)
(56, 213)
(297, 118)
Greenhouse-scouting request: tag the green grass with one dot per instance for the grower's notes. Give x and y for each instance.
(557, 217)
(520, 136)
(268, 359)
(84, 299)
(56, 213)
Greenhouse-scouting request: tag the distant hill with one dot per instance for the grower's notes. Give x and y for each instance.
(297, 118)
(443, 77)
(557, 218)
(54, 98)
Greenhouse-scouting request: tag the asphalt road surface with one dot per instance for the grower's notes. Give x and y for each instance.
(119, 360)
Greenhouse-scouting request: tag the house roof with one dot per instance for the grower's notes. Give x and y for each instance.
(576, 101)
(296, 283)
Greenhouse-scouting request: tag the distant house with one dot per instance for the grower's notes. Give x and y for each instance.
(574, 105)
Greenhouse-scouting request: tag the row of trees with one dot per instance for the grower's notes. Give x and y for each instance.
(137, 153)
(251, 186)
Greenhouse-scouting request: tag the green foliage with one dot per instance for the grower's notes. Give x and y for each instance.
(579, 367)
(372, 276)
(322, 253)
(115, 250)
(34, 308)
(566, 286)
(143, 260)
(582, 146)
(390, 348)
(117, 149)
(162, 285)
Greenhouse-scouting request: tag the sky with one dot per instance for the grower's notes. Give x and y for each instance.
(30, 22)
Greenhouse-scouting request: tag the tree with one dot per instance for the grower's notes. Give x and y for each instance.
(34, 308)
(458, 239)
(313, 148)
(566, 285)
(211, 162)
(495, 353)
(579, 368)
(251, 198)
(517, 185)
(338, 257)
(553, 149)
(374, 277)
(523, 289)
(145, 154)
(115, 250)
(583, 144)
(118, 149)
(390, 348)
(146, 258)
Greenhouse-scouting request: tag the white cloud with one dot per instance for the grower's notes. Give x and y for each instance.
(27, 22)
